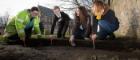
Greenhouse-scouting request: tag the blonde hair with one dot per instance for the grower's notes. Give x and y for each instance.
(101, 8)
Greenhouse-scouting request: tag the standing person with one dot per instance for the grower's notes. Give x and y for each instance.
(22, 25)
(105, 21)
(63, 21)
(80, 27)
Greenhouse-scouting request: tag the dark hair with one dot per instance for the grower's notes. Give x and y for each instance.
(83, 15)
(56, 7)
(34, 9)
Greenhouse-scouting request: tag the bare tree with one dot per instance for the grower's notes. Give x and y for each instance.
(75, 3)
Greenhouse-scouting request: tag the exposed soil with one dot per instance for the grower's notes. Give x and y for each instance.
(16, 52)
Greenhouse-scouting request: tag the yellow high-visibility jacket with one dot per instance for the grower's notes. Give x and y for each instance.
(17, 24)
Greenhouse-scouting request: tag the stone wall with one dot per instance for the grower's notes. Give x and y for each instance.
(128, 13)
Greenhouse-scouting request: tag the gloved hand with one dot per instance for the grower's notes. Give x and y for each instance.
(39, 36)
(6, 35)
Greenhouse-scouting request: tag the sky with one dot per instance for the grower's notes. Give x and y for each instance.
(14, 6)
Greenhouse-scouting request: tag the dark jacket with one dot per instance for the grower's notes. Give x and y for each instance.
(65, 20)
(109, 20)
(77, 31)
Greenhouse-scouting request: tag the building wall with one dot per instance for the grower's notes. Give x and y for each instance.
(128, 13)
(3, 21)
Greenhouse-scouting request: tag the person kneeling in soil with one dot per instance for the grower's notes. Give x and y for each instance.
(105, 21)
(80, 27)
(62, 20)
(20, 27)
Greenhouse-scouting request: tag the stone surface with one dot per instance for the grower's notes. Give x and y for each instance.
(128, 13)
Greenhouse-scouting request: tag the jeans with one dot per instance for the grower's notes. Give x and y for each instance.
(106, 29)
(102, 34)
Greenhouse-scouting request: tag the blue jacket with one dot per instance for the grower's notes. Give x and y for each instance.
(108, 21)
